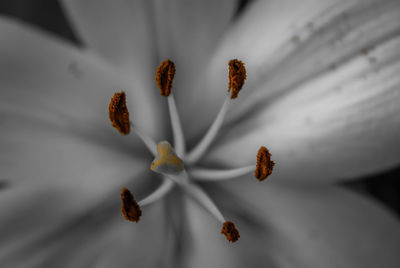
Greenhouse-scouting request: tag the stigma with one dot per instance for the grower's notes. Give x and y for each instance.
(166, 160)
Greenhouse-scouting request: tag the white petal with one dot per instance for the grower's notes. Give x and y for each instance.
(341, 125)
(86, 235)
(296, 226)
(286, 43)
(120, 31)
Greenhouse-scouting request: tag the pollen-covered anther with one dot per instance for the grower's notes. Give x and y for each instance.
(130, 208)
(237, 75)
(118, 113)
(230, 231)
(164, 76)
(264, 164)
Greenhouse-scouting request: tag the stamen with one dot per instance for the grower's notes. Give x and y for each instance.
(203, 174)
(237, 75)
(179, 138)
(130, 208)
(159, 193)
(206, 141)
(166, 161)
(164, 76)
(194, 191)
(118, 113)
(230, 231)
(264, 164)
(199, 195)
(146, 139)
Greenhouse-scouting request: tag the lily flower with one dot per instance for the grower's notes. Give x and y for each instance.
(321, 100)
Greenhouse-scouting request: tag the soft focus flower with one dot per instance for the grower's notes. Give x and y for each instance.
(322, 94)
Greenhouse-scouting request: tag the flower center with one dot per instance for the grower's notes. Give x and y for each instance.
(166, 161)
(170, 163)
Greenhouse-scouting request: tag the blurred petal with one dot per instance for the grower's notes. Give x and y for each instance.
(188, 33)
(60, 156)
(85, 235)
(296, 226)
(287, 43)
(206, 246)
(47, 80)
(341, 125)
(121, 31)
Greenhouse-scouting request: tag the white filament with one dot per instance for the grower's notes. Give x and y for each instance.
(179, 138)
(203, 174)
(208, 138)
(159, 193)
(146, 139)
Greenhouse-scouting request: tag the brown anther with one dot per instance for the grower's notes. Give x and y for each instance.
(230, 231)
(130, 208)
(118, 113)
(237, 75)
(264, 164)
(164, 76)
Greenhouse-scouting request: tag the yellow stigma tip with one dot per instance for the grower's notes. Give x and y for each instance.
(118, 113)
(166, 161)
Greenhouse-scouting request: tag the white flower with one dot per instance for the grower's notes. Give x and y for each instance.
(322, 93)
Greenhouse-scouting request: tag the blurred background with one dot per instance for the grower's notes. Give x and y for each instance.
(48, 15)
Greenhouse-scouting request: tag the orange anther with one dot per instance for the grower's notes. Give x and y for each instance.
(130, 208)
(164, 76)
(264, 164)
(237, 75)
(118, 113)
(230, 231)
